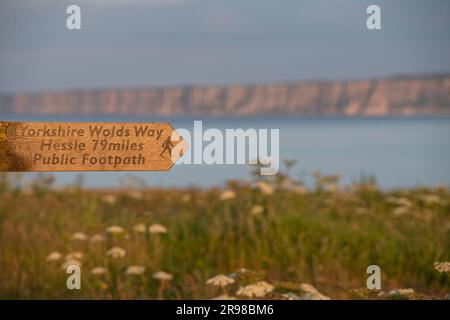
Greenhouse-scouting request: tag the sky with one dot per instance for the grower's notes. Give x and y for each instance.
(152, 43)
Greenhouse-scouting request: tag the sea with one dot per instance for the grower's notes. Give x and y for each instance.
(396, 152)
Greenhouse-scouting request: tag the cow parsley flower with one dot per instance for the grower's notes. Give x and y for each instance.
(54, 256)
(115, 229)
(220, 281)
(79, 236)
(162, 276)
(135, 270)
(99, 271)
(255, 290)
(116, 252)
(157, 228)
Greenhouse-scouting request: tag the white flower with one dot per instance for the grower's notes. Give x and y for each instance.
(135, 270)
(220, 281)
(162, 276)
(139, 228)
(264, 187)
(290, 296)
(114, 229)
(402, 201)
(257, 290)
(227, 195)
(306, 287)
(71, 262)
(97, 238)
(257, 210)
(311, 293)
(442, 266)
(109, 198)
(116, 252)
(74, 256)
(400, 292)
(80, 236)
(224, 297)
(431, 199)
(53, 256)
(157, 228)
(399, 211)
(99, 271)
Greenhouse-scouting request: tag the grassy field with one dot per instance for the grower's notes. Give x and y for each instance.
(276, 233)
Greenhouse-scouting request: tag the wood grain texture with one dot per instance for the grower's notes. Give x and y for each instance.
(67, 146)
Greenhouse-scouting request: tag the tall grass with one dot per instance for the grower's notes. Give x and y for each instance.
(325, 236)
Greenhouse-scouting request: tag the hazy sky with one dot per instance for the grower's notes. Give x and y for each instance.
(160, 42)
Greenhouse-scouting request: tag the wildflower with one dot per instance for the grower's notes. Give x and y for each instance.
(257, 290)
(242, 270)
(431, 199)
(224, 297)
(306, 287)
(109, 198)
(79, 236)
(162, 276)
(135, 270)
(157, 228)
(97, 238)
(99, 271)
(74, 256)
(290, 296)
(265, 188)
(220, 281)
(71, 262)
(442, 266)
(404, 202)
(116, 252)
(400, 292)
(186, 198)
(227, 195)
(139, 228)
(257, 210)
(53, 256)
(311, 293)
(114, 229)
(399, 211)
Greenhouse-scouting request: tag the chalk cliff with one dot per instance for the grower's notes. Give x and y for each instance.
(397, 96)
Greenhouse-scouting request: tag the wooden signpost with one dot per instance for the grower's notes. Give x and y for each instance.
(67, 146)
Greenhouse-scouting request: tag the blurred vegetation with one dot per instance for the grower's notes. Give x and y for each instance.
(325, 236)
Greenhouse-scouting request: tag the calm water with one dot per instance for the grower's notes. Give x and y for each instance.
(398, 152)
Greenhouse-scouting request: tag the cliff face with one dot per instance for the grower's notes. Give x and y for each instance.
(408, 96)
